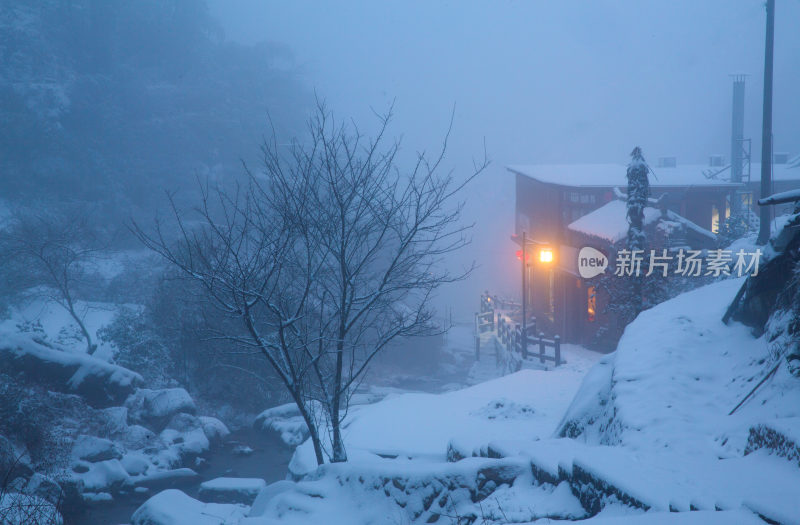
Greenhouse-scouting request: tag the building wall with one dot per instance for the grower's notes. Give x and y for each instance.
(538, 210)
(558, 299)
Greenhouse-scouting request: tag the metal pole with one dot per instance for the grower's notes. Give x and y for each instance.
(766, 130)
(524, 296)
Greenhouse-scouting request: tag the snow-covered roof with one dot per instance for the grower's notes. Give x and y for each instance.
(604, 175)
(671, 215)
(610, 221)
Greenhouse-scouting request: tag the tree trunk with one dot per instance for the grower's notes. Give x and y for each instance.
(313, 432)
(90, 347)
(339, 454)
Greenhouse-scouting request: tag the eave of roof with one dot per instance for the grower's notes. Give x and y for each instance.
(613, 175)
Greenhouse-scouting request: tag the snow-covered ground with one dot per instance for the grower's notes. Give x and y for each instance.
(623, 438)
(48, 319)
(525, 405)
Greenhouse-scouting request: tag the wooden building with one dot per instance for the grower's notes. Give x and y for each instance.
(562, 208)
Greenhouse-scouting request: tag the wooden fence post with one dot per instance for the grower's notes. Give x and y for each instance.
(541, 347)
(557, 345)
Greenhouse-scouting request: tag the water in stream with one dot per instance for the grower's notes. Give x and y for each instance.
(268, 461)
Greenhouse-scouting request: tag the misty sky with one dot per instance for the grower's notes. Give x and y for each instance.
(542, 82)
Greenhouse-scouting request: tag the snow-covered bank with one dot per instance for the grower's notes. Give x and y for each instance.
(677, 373)
(102, 435)
(524, 405)
(643, 438)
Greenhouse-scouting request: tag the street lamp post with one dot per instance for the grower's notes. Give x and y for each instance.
(524, 297)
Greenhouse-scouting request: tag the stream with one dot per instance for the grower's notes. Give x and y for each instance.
(270, 458)
(268, 461)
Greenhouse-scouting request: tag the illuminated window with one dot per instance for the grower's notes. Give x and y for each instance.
(747, 200)
(714, 219)
(591, 303)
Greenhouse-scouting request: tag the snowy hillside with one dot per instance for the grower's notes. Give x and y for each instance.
(676, 374)
(645, 432)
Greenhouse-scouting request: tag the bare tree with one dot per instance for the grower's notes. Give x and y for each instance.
(52, 251)
(327, 256)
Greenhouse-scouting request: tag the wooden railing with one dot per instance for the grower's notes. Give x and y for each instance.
(510, 334)
(494, 316)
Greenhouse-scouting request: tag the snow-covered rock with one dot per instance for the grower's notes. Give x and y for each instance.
(166, 477)
(285, 420)
(137, 437)
(103, 476)
(417, 491)
(173, 507)
(265, 496)
(155, 408)
(231, 490)
(186, 444)
(214, 429)
(45, 488)
(94, 449)
(135, 463)
(99, 383)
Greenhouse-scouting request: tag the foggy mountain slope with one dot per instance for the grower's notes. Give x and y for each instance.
(113, 101)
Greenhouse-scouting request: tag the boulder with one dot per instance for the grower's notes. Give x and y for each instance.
(94, 449)
(155, 408)
(166, 478)
(259, 506)
(99, 383)
(137, 437)
(104, 476)
(45, 488)
(285, 421)
(173, 507)
(135, 463)
(231, 490)
(214, 429)
(184, 422)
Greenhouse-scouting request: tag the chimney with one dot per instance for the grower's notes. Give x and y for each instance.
(737, 128)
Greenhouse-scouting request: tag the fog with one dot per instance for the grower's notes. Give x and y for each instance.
(541, 82)
(210, 281)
